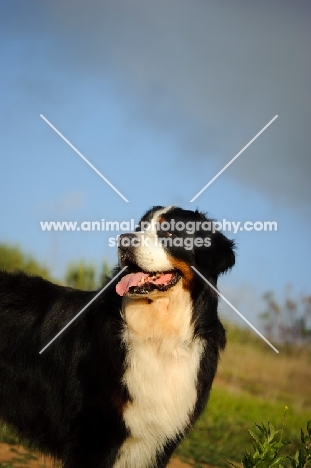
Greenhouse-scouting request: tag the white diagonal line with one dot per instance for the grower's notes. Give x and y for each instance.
(83, 157)
(233, 159)
(82, 310)
(236, 310)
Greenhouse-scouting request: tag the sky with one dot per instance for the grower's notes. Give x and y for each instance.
(159, 97)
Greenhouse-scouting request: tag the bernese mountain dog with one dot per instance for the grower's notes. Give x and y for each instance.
(124, 383)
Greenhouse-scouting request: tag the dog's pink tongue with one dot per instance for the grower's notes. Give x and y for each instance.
(137, 279)
(127, 281)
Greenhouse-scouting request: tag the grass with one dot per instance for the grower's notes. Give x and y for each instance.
(249, 365)
(253, 384)
(8, 436)
(221, 433)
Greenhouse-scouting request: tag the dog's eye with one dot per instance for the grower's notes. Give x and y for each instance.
(165, 234)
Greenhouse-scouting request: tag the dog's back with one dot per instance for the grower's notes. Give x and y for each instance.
(67, 399)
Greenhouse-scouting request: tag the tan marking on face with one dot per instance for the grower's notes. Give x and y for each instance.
(185, 269)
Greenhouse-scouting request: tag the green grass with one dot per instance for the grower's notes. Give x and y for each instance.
(221, 433)
(253, 384)
(7, 435)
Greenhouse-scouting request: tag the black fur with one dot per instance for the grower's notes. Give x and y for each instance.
(69, 400)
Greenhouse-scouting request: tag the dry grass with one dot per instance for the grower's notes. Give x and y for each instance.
(258, 370)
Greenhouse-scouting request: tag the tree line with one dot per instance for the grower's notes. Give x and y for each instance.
(80, 274)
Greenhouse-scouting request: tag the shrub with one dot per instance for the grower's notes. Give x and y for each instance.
(267, 449)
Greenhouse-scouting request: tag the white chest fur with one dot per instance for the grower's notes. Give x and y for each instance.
(161, 374)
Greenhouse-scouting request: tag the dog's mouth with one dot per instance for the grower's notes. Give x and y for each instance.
(140, 282)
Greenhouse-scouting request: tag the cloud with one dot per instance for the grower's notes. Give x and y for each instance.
(208, 74)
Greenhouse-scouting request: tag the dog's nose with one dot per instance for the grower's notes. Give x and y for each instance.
(126, 241)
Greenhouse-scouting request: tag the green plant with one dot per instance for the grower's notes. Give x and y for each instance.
(81, 275)
(13, 259)
(302, 457)
(267, 448)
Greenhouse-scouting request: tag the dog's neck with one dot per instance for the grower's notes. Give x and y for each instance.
(159, 316)
(162, 362)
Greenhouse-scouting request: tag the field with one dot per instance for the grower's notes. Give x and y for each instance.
(253, 384)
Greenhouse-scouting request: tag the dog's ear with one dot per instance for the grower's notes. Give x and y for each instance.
(224, 253)
(218, 257)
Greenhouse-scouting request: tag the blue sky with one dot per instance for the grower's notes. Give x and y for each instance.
(159, 96)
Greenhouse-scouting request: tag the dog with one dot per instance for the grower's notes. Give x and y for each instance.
(124, 383)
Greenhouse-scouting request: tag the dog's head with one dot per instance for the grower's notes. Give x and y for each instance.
(165, 246)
